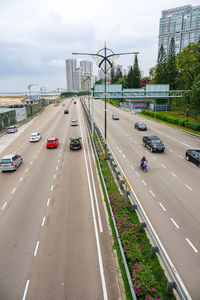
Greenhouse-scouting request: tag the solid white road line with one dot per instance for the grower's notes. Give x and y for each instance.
(36, 248)
(4, 206)
(162, 206)
(188, 187)
(26, 289)
(174, 223)
(195, 250)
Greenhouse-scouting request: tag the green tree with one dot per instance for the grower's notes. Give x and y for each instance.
(195, 95)
(129, 79)
(171, 69)
(188, 63)
(136, 74)
(112, 75)
(161, 67)
(118, 74)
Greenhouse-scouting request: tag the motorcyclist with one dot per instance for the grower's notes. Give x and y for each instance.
(143, 160)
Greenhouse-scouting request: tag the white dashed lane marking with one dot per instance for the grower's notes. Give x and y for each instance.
(163, 165)
(4, 206)
(188, 187)
(174, 223)
(193, 247)
(173, 174)
(13, 190)
(43, 221)
(36, 248)
(162, 206)
(144, 182)
(152, 193)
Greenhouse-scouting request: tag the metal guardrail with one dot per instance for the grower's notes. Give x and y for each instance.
(145, 223)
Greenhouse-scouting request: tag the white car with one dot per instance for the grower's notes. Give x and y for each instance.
(35, 137)
(74, 123)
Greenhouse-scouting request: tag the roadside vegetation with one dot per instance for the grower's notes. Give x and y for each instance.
(147, 275)
(176, 118)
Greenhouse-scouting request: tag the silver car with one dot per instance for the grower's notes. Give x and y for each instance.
(11, 129)
(10, 162)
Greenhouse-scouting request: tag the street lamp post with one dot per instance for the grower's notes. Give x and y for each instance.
(105, 59)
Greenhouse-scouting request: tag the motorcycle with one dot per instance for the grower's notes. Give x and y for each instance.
(143, 166)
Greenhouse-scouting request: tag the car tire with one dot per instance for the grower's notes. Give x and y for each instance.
(187, 158)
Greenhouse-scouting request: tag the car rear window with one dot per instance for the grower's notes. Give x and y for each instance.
(5, 161)
(51, 141)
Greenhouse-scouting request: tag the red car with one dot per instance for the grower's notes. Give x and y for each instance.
(52, 143)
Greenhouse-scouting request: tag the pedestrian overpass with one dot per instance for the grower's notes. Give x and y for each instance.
(151, 91)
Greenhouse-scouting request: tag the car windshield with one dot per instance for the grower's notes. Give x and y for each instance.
(156, 141)
(5, 161)
(33, 134)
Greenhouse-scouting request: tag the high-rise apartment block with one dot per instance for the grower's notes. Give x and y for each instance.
(182, 23)
(77, 76)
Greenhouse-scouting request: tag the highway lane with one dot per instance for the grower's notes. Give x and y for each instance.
(169, 192)
(50, 209)
(70, 266)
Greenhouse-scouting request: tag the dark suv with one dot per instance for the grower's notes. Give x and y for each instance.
(153, 143)
(75, 143)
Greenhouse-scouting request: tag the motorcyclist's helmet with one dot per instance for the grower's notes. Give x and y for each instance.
(143, 156)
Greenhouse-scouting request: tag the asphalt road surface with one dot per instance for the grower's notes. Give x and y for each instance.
(169, 192)
(55, 241)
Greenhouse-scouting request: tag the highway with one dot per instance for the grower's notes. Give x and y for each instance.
(169, 191)
(55, 241)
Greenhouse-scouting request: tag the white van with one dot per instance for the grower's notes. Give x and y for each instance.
(10, 162)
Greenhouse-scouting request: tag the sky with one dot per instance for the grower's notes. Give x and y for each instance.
(38, 35)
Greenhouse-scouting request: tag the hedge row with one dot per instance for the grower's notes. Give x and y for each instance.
(173, 119)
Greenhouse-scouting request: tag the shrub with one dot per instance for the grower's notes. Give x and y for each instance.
(192, 125)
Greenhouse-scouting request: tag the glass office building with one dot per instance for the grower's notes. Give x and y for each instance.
(182, 23)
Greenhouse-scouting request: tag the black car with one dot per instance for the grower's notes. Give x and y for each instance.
(153, 143)
(75, 143)
(140, 125)
(115, 117)
(193, 156)
(66, 111)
